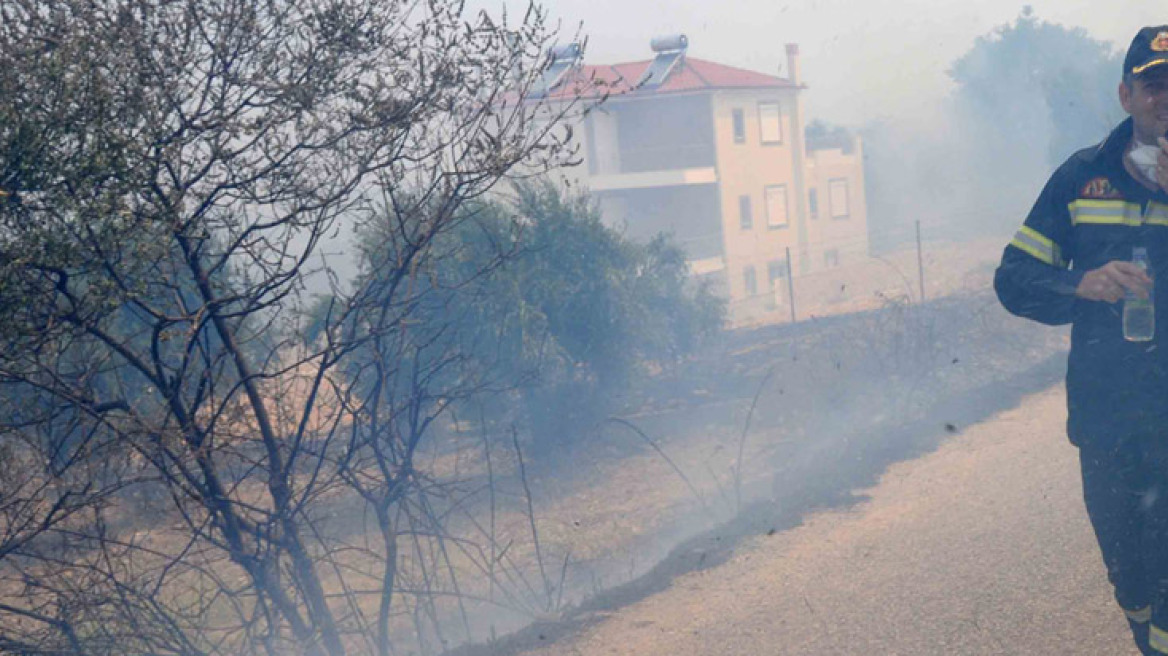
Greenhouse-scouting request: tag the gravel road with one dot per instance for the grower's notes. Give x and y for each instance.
(980, 547)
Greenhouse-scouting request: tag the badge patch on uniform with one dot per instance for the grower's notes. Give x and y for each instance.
(1101, 187)
(1160, 43)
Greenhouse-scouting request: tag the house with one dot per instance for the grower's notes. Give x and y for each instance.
(717, 156)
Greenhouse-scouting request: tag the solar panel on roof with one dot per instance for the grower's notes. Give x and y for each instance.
(659, 69)
(554, 73)
(670, 50)
(563, 58)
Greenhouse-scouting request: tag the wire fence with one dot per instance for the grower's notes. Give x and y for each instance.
(846, 275)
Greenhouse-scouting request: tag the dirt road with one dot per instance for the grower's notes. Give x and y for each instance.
(981, 547)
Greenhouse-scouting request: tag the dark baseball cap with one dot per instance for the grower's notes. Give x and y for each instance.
(1149, 49)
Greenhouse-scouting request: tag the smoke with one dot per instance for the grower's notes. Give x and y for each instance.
(954, 174)
(1028, 94)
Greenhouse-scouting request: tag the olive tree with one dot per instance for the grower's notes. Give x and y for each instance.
(173, 175)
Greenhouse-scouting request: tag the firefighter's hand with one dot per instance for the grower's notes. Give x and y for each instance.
(1111, 281)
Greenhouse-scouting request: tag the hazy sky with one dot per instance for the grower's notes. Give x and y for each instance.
(861, 59)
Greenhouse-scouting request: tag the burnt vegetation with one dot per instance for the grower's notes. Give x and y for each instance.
(289, 313)
(219, 436)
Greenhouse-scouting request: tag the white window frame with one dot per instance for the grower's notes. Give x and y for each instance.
(781, 221)
(838, 198)
(772, 117)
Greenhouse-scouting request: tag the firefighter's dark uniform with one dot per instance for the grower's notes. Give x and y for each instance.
(1092, 212)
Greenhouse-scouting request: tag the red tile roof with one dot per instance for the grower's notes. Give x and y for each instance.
(689, 74)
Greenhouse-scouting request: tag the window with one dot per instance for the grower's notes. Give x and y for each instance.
(770, 123)
(750, 280)
(745, 214)
(776, 271)
(831, 258)
(739, 126)
(776, 206)
(838, 189)
(813, 203)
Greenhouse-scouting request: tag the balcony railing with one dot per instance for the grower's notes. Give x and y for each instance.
(650, 179)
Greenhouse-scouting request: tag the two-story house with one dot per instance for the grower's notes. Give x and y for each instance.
(717, 156)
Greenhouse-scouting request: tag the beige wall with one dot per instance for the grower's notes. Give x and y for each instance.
(747, 169)
(848, 236)
(568, 116)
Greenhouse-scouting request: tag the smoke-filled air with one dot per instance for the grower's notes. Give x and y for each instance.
(494, 328)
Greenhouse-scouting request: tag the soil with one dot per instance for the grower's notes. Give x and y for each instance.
(839, 400)
(982, 547)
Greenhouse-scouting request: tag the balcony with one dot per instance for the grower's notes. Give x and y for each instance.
(652, 179)
(707, 266)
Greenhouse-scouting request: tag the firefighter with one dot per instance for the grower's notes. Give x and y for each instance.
(1072, 262)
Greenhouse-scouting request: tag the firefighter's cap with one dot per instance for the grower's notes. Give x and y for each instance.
(1148, 49)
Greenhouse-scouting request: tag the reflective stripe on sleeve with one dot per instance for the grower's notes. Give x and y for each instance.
(1038, 246)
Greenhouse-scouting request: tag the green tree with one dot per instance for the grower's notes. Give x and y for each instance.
(822, 135)
(1036, 77)
(1027, 95)
(610, 305)
(536, 295)
(169, 172)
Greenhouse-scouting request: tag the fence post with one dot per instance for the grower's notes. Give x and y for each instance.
(920, 262)
(790, 285)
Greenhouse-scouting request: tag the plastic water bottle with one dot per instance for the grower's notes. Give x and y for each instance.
(1139, 315)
